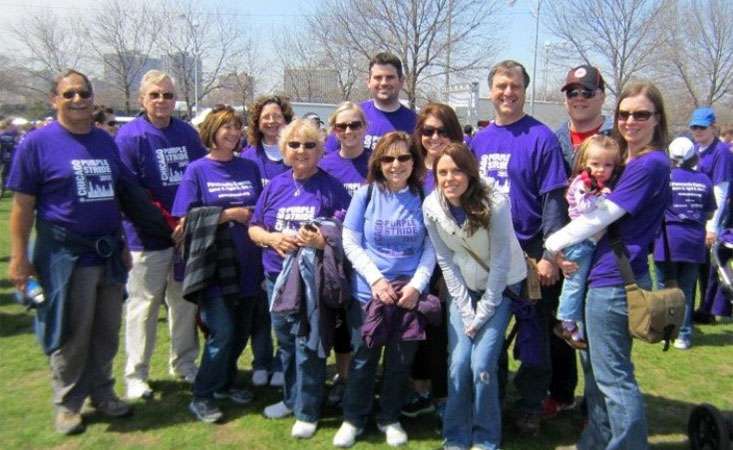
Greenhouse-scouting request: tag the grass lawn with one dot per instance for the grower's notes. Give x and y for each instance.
(673, 383)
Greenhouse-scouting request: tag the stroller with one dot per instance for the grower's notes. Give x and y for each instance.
(708, 428)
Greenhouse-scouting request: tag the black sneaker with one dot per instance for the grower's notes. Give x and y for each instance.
(418, 405)
(205, 410)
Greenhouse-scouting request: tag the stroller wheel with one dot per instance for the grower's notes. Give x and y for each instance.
(707, 429)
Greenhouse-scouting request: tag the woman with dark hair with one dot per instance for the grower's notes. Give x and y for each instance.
(386, 242)
(267, 117)
(437, 126)
(232, 185)
(471, 229)
(635, 209)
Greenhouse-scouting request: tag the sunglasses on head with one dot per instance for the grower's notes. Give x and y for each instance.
(698, 128)
(307, 145)
(430, 131)
(342, 126)
(390, 159)
(639, 116)
(71, 94)
(585, 93)
(166, 95)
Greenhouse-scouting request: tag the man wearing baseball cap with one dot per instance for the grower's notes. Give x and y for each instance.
(584, 96)
(716, 161)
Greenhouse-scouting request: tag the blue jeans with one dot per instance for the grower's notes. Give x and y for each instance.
(573, 287)
(687, 274)
(359, 392)
(616, 412)
(228, 331)
(261, 331)
(304, 371)
(473, 411)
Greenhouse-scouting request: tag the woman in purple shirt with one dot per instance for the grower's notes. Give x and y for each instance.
(233, 184)
(617, 418)
(437, 126)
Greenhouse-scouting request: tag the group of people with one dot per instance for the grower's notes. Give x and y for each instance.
(398, 238)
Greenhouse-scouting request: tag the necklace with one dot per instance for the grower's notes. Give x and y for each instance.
(299, 186)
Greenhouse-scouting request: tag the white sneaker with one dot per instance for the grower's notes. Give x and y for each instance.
(303, 430)
(189, 375)
(682, 344)
(277, 380)
(137, 389)
(346, 435)
(396, 435)
(277, 411)
(260, 377)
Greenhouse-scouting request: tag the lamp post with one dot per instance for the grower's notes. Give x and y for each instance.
(194, 26)
(536, 49)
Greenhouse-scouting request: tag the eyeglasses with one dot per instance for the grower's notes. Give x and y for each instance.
(698, 128)
(430, 131)
(307, 145)
(639, 116)
(390, 159)
(112, 123)
(342, 126)
(585, 93)
(71, 94)
(165, 95)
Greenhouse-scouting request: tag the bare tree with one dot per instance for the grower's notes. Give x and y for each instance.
(432, 37)
(121, 36)
(699, 46)
(616, 35)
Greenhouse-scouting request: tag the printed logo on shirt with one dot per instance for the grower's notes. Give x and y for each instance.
(290, 217)
(230, 189)
(351, 188)
(370, 141)
(172, 163)
(93, 179)
(688, 200)
(494, 167)
(396, 237)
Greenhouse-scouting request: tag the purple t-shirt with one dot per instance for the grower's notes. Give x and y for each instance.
(269, 169)
(692, 201)
(643, 192)
(716, 162)
(227, 184)
(72, 177)
(286, 204)
(524, 160)
(379, 123)
(158, 157)
(428, 182)
(351, 172)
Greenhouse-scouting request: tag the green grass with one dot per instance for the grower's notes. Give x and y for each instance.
(673, 383)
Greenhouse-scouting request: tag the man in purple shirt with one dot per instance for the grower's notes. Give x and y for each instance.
(384, 112)
(157, 148)
(523, 158)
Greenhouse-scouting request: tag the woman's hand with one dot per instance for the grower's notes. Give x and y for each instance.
(283, 243)
(177, 234)
(408, 297)
(547, 272)
(239, 214)
(310, 236)
(384, 292)
(19, 270)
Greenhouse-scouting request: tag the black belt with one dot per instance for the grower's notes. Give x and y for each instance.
(104, 246)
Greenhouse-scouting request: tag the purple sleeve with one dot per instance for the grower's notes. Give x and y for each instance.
(635, 187)
(187, 193)
(722, 165)
(24, 171)
(258, 217)
(332, 144)
(128, 147)
(550, 166)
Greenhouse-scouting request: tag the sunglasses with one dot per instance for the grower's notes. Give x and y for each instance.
(430, 131)
(639, 116)
(698, 128)
(112, 123)
(355, 125)
(390, 159)
(307, 145)
(71, 94)
(585, 93)
(165, 95)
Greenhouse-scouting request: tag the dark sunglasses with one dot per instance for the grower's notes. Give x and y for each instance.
(307, 145)
(112, 123)
(639, 116)
(71, 94)
(585, 93)
(355, 125)
(390, 159)
(429, 131)
(166, 95)
(698, 127)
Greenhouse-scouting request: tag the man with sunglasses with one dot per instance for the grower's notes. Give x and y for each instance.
(524, 160)
(384, 112)
(584, 96)
(104, 118)
(157, 148)
(716, 161)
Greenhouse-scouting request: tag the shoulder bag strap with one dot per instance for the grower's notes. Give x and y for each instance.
(619, 251)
